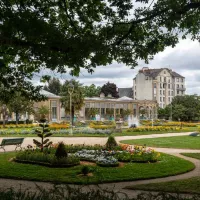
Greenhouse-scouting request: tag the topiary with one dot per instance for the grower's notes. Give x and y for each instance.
(111, 143)
(61, 151)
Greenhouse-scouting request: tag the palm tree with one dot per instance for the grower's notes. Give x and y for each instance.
(77, 97)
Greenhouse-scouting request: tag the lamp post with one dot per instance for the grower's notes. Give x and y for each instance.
(70, 91)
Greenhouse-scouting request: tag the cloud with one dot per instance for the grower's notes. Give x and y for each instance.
(184, 59)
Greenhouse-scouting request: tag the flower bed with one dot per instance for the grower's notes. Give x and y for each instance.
(102, 126)
(49, 160)
(154, 128)
(167, 123)
(138, 154)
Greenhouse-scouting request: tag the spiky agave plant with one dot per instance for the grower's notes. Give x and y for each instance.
(43, 133)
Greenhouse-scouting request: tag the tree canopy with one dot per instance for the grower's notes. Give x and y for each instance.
(66, 35)
(54, 86)
(77, 97)
(91, 91)
(185, 108)
(110, 88)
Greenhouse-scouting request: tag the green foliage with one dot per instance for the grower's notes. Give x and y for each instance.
(43, 111)
(111, 142)
(34, 157)
(46, 33)
(70, 193)
(92, 111)
(125, 112)
(91, 91)
(85, 170)
(77, 96)
(61, 151)
(43, 134)
(110, 88)
(20, 105)
(185, 108)
(54, 86)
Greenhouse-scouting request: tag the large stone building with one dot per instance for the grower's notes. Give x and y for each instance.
(160, 85)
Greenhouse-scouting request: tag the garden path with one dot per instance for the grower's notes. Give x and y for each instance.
(17, 184)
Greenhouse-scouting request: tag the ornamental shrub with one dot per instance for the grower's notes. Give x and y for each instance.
(85, 170)
(111, 143)
(61, 151)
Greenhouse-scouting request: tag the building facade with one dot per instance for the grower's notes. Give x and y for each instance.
(160, 85)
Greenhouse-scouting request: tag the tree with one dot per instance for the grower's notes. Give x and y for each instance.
(43, 111)
(77, 97)
(68, 35)
(164, 113)
(186, 107)
(110, 88)
(54, 86)
(4, 111)
(20, 105)
(91, 91)
(43, 134)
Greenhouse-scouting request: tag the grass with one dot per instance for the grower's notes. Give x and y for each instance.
(191, 185)
(181, 142)
(169, 165)
(192, 155)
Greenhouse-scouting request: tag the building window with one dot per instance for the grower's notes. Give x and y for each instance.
(54, 110)
(177, 92)
(163, 98)
(161, 85)
(160, 91)
(177, 86)
(169, 86)
(169, 81)
(169, 99)
(164, 72)
(160, 99)
(172, 93)
(163, 92)
(182, 86)
(177, 79)
(169, 93)
(182, 79)
(154, 85)
(160, 79)
(164, 79)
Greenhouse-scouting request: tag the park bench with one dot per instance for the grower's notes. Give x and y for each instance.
(13, 141)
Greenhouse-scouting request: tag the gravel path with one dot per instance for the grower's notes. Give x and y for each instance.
(31, 185)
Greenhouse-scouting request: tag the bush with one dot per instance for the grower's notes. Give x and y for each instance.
(111, 143)
(35, 157)
(61, 151)
(85, 170)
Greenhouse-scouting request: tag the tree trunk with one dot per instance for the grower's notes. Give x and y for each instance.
(17, 117)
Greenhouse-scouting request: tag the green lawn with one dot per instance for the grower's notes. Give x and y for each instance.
(191, 185)
(181, 142)
(192, 155)
(169, 165)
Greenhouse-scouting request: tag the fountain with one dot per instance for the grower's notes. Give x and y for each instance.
(133, 121)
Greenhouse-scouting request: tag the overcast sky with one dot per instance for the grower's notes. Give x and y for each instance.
(184, 59)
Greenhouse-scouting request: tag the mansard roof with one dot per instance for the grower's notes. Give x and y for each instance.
(154, 72)
(128, 92)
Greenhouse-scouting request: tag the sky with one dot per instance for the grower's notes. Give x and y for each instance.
(183, 59)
